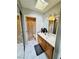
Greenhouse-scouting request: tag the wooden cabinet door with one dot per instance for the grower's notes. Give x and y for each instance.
(49, 51)
(46, 47)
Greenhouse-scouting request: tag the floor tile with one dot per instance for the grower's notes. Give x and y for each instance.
(29, 51)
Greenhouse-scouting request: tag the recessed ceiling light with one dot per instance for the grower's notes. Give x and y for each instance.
(41, 4)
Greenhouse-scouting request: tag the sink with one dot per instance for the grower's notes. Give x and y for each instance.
(50, 35)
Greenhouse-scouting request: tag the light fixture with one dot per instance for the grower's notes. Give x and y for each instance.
(52, 18)
(41, 4)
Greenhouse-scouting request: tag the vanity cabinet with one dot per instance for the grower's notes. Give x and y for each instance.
(48, 49)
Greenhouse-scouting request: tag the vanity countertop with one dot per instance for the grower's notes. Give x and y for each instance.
(49, 37)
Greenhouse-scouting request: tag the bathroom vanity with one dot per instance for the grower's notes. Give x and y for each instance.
(47, 42)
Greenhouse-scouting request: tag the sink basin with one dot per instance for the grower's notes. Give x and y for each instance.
(50, 36)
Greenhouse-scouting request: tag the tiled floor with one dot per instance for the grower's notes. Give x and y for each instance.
(20, 51)
(30, 51)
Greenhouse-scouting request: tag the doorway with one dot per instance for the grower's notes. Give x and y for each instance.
(31, 27)
(19, 30)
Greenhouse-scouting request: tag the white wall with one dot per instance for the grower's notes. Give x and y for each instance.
(39, 19)
(17, 10)
(57, 51)
(52, 11)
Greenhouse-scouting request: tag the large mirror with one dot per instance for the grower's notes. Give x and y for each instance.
(53, 24)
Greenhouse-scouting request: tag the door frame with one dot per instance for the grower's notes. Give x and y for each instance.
(34, 19)
(26, 23)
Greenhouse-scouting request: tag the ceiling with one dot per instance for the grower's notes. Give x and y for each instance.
(30, 4)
